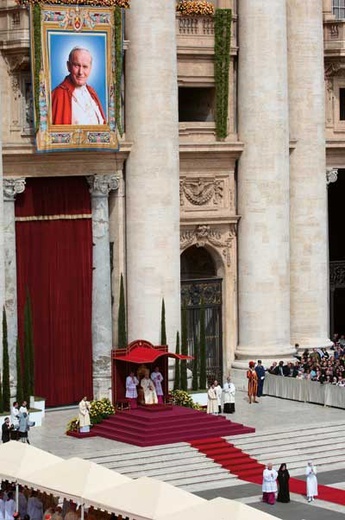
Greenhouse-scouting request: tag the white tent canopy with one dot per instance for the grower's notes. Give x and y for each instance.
(75, 479)
(17, 460)
(144, 498)
(221, 509)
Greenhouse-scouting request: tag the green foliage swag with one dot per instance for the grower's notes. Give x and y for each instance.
(36, 14)
(177, 379)
(163, 325)
(121, 320)
(6, 392)
(222, 39)
(118, 67)
(183, 398)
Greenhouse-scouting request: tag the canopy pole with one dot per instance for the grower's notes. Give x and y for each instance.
(17, 496)
(82, 511)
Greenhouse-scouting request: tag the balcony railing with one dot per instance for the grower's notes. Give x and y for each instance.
(334, 37)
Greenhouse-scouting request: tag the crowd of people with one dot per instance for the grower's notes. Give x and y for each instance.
(275, 484)
(17, 426)
(33, 505)
(319, 364)
(221, 400)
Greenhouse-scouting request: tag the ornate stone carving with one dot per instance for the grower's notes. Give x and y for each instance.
(101, 185)
(12, 187)
(203, 235)
(331, 175)
(201, 191)
(334, 68)
(206, 292)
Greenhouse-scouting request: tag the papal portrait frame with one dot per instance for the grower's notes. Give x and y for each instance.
(62, 29)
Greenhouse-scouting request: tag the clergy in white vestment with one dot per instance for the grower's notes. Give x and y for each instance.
(84, 413)
(157, 379)
(150, 395)
(131, 390)
(14, 415)
(312, 490)
(10, 506)
(212, 401)
(218, 390)
(269, 484)
(228, 396)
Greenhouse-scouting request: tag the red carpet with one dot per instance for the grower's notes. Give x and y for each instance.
(147, 427)
(250, 470)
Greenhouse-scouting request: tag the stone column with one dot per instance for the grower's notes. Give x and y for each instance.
(152, 171)
(263, 181)
(100, 186)
(11, 188)
(308, 188)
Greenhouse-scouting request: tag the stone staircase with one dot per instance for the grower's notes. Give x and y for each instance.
(323, 444)
(183, 466)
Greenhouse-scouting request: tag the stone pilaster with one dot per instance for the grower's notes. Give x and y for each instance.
(263, 181)
(11, 187)
(308, 189)
(152, 171)
(100, 186)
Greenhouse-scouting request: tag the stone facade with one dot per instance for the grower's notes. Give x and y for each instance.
(177, 186)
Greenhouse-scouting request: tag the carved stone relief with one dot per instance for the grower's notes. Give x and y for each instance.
(205, 234)
(201, 191)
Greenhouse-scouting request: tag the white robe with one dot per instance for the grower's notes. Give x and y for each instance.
(157, 379)
(218, 390)
(10, 507)
(131, 387)
(35, 508)
(212, 401)
(2, 509)
(269, 481)
(311, 481)
(150, 395)
(229, 392)
(84, 414)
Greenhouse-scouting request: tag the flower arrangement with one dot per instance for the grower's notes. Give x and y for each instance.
(124, 4)
(100, 410)
(195, 8)
(183, 398)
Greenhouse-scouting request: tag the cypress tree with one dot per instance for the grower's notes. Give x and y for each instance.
(1, 398)
(29, 369)
(121, 320)
(20, 392)
(202, 380)
(6, 392)
(163, 326)
(177, 363)
(184, 349)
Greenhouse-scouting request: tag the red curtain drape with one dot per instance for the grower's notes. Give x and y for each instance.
(54, 263)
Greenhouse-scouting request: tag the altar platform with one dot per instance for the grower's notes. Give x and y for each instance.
(150, 426)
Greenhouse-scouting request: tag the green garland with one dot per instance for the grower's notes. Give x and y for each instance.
(36, 14)
(222, 38)
(118, 66)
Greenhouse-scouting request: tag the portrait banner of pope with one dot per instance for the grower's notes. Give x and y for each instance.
(75, 88)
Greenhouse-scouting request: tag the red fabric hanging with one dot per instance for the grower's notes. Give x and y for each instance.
(54, 262)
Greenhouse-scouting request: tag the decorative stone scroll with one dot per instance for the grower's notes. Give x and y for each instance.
(12, 187)
(201, 191)
(204, 234)
(101, 185)
(331, 175)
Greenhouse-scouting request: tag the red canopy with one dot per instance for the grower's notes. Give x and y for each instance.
(142, 351)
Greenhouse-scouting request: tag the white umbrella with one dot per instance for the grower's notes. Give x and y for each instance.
(144, 499)
(221, 509)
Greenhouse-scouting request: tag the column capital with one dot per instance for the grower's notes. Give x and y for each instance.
(101, 185)
(11, 187)
(331, 175)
